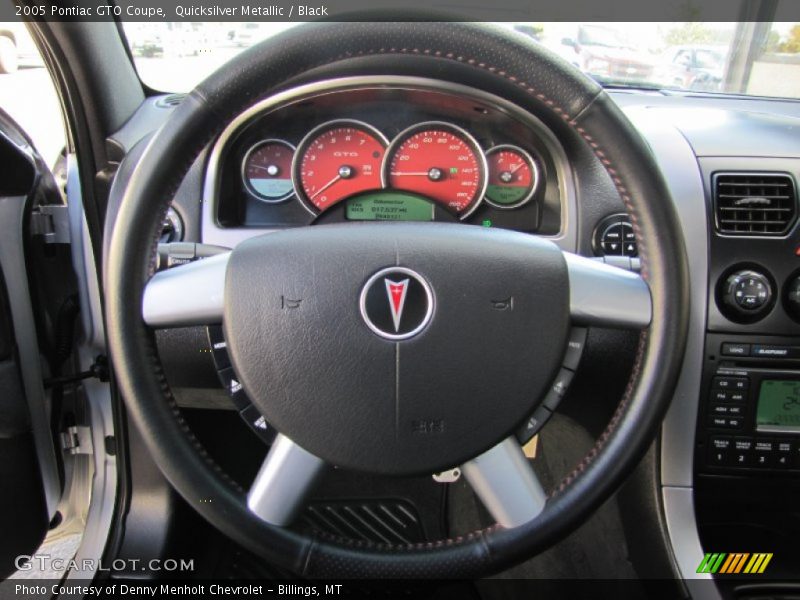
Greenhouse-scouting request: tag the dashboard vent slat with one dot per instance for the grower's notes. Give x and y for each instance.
(754, 204)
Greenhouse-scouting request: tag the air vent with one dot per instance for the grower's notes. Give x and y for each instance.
(754, 203)
(170, 100)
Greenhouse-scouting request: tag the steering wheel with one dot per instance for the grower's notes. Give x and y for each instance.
(348, 382)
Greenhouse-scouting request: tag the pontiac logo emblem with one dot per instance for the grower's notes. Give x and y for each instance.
(397, 298)
(396, 303)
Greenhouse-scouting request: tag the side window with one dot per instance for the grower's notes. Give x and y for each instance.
(27, 92)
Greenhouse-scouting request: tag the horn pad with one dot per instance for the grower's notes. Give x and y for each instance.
(396, 348)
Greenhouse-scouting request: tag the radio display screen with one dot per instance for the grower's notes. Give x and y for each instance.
(778, 408)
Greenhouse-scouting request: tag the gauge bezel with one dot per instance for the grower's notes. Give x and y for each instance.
(535, 174)
(466, 135)
(245, 179)
(302, 148)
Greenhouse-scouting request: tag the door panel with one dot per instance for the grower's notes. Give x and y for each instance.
(28, 468)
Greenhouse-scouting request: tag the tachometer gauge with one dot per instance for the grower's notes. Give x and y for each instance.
(513, 176)
(336, 160)
(440, 161)
(267, 170)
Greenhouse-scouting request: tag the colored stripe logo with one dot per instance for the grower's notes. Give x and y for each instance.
(733, 563)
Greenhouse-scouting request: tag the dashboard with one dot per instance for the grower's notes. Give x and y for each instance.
(412, 150)
(402, 148)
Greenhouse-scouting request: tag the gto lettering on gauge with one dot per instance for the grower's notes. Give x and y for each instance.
(336, 160)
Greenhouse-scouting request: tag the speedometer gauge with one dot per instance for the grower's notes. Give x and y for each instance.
(513, 176)
(336, 160)
(267, 170)
(440, 161)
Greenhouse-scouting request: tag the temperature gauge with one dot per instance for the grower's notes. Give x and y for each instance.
(267, 170)
(513, 176)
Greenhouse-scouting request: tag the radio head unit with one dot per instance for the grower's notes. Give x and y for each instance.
(749, 417)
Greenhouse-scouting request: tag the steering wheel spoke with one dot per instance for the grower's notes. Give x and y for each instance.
(506, 484)
(283, 482)
(190, 294)
(607, 296)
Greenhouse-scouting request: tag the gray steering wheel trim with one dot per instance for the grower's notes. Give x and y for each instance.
(551, 87)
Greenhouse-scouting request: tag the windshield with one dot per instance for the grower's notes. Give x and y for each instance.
(756, 59)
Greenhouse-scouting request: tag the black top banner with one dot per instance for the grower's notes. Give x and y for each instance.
(388, 10)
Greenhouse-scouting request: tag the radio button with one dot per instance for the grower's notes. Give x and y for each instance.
(771, 351)
(731, 383)
(730, 410)
(720, 396)
(731, 349)
(783, 455)
(728, 396)
(725, 422)
(763, 454)
(737, 396)
(719, 452)
(742, 454)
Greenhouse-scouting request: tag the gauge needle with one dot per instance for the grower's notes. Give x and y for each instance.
(514, 169)
(418, 173)
(325, 187)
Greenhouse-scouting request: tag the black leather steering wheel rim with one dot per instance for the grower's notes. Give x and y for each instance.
(551, 87)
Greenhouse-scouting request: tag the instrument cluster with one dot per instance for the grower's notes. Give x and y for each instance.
(389, 155)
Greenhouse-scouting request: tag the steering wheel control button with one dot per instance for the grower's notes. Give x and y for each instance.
(575, 345)
(232, 384)
(219, 347)
(396, 303)
(559, 389)
(614, 236)
(533, 424)
(256, 421)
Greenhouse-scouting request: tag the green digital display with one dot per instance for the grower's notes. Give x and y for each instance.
(778, 406)
(388, 206)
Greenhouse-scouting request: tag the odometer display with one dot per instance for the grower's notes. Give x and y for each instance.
(439, 161)
(337, 160)
(388, 205)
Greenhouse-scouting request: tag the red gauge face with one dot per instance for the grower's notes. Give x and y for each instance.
(512, 176)
(439, 161)
(338, 160)
(267, 170)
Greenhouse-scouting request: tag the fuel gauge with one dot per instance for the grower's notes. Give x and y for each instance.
(513, 176)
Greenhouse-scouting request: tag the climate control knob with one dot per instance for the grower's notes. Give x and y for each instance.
(746, 294)
(792, 297)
